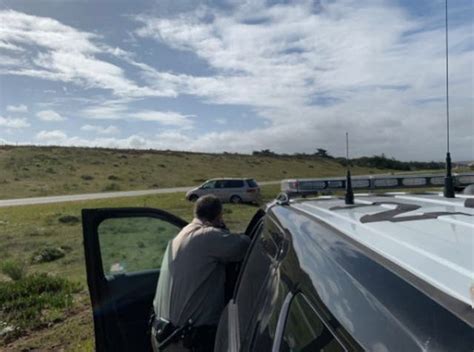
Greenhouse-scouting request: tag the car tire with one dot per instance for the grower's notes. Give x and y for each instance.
(193, 197)
(235, 199)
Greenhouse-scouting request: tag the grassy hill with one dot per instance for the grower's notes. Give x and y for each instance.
(29, 171)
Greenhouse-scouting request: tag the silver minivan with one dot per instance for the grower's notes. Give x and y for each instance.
(234, 190)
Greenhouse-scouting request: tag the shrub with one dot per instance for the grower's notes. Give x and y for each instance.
(111, 187)
(113, 178)
(14, 269)
(66, 248)
(69, 219)
(47, 255)
(34, 301)
(87, 177)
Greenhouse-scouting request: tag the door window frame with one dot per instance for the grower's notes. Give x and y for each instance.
(280, 329)
(92, 240)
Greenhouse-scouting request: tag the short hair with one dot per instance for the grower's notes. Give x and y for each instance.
(208, 208)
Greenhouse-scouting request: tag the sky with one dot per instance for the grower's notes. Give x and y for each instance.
(238, 76)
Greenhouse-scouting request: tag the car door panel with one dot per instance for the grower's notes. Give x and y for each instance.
(122, 248)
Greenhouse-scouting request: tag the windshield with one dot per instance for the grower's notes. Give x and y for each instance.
(209, 184)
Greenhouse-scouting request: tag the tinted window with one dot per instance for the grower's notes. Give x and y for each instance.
(220, 184)
(305, 332)
(253, 279)
(234, 184)
(258, 287)
(265, 331)
(252, 183)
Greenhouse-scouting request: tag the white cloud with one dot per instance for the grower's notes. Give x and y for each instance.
(12, 122)
(43, 47)
(100, 130)
(108, 110)
(367, 67)
(54, 136)
(50, 115)
(17, 108)
(9, 46)
(57, 137)
(167, 118)
(118, 110)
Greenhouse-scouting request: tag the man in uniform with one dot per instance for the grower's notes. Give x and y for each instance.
(190, 294)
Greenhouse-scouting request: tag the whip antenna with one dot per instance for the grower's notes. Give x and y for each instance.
(448, 180)
(349, 196)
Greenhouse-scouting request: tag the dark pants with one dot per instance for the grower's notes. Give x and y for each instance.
(201, 339)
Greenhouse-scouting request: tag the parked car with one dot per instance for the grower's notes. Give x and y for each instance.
(233, 190)
(391, 272)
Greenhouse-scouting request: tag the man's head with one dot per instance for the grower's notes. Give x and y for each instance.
(208, 209)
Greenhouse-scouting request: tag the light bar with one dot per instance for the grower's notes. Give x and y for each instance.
(371, 182)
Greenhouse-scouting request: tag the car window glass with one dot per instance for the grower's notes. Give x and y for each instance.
(208, 185)
(252, 183)
(305, 332)
(234, 184)
(265, 331)
(220, 184)
(253, 281)
(133, 244)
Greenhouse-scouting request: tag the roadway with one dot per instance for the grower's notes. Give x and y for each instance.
(102, 195)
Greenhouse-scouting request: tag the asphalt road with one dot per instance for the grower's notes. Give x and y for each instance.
(104, 195)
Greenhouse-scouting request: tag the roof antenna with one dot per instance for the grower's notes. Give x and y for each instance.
(448, 180)
(349, 196)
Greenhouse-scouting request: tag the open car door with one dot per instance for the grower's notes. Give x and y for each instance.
(123, 252)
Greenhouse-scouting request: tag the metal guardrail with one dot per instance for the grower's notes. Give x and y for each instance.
(372, 182)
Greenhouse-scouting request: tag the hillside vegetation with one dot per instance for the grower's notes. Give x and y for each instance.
(28, 171)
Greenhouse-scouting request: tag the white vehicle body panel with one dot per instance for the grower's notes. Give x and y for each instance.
(438, 250)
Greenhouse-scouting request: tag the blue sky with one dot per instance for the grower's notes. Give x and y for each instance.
(237, 76)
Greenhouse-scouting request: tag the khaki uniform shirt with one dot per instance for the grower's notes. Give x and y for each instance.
(192, 278)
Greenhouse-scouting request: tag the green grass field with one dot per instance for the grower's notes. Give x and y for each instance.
(43, 171)
(25, 230)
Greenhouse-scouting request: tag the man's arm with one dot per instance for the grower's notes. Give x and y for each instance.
(227, 247)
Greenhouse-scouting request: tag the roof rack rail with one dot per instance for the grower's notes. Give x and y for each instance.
(305, 187)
